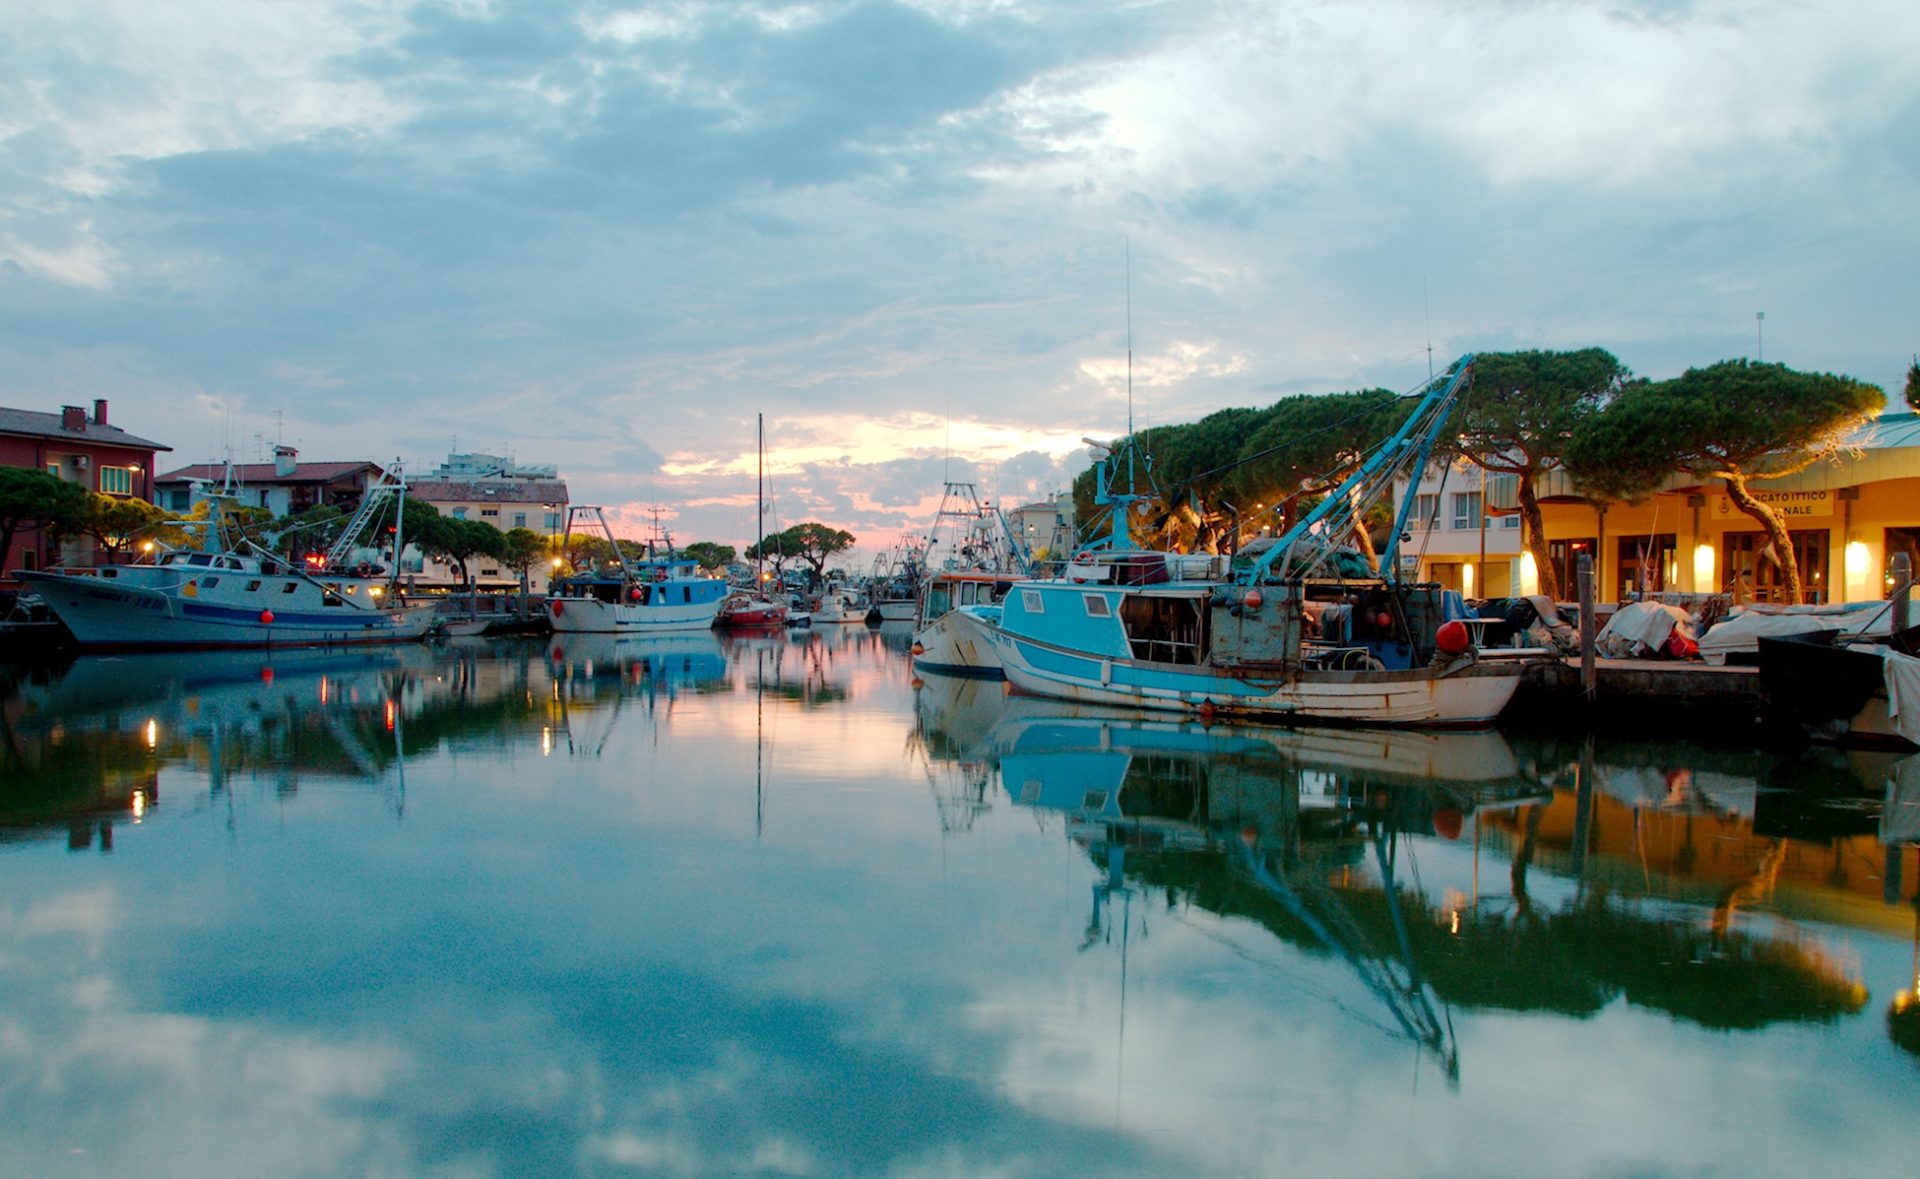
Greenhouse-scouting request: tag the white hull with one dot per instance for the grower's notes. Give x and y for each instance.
(898, 610)
(956, 644)
(1468, 696)
(593, 616)
(139, 606)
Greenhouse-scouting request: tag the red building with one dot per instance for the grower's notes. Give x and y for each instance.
(79, 448)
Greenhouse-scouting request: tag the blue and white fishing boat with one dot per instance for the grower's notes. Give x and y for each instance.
(1295, 629)
(975, 558)
(657, 595)
(238, 594)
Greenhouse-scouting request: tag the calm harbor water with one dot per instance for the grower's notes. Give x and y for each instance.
(706, 905)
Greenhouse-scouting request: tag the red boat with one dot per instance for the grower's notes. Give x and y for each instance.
(751, 612)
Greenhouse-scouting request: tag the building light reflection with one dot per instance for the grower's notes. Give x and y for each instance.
(153, 733)
(139, 804)
(546, 741)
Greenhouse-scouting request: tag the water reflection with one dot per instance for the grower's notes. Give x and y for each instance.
(728, 934)
(1678, 876)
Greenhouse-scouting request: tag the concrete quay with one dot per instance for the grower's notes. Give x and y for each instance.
(1643, 696)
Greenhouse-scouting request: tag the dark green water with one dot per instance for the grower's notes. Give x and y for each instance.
(713, 907)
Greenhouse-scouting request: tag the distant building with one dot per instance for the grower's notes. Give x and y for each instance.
(1047, 525)
(78, 448)
(496, 491)
(286, 486)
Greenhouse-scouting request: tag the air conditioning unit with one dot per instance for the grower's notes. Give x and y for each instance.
(81, 462)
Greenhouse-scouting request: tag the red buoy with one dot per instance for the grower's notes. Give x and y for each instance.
(1252, 600)
(266, 618)
(1448, 822)
(558, 609)
(266, 675)
(919, 650)
(633, 595)
(1452, 638)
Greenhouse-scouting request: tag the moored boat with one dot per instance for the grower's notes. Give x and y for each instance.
(238, 594)
(979, 558)
(1296, 630)
(662, 593)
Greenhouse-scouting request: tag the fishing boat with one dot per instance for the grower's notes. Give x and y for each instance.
(897, 576)
(235, 593)
(1294, 629)
(838, 605)
(658, 594)
(979, 557)
(1826, 686)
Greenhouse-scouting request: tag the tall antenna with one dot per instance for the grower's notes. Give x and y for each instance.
(1129, 241)
(1426, 308)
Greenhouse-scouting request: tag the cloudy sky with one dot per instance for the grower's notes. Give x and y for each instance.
(606, 235)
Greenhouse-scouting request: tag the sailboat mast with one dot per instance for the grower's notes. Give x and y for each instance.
(760, 500)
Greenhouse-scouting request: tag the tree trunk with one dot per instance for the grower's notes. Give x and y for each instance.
(1773, 525)
(1536, 539)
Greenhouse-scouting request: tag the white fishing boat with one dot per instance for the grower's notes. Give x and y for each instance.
(838, 605)
(975, 558)
(239, 594)
(660, 594)
(1295, 630)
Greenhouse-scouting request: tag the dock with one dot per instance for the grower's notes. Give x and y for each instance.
(1715, 703)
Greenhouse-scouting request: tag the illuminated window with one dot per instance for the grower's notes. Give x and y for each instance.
(116, 480)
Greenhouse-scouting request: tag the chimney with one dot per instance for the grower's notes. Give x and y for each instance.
(99, 411)
(72, 417)
(284, 460)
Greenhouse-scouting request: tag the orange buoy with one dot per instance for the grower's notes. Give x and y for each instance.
(1453, 637)
(919, 650)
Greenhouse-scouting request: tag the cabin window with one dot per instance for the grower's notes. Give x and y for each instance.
(252, 586)
(330, 598)
(1031, 602)
(199, 559)
(352, 589)
(939, 600)
(209, 582)
(1163, 630)
(1097, 606)
(289, 587)
(1094, 800)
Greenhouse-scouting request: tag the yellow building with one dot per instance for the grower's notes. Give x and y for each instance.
(1847, 518)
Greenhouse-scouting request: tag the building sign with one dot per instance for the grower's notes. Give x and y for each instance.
(1794, 505)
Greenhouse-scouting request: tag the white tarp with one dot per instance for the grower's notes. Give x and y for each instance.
(1740, 633)
(1640, 629)
(1903, 694)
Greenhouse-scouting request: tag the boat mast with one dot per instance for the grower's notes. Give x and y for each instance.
(760, 502)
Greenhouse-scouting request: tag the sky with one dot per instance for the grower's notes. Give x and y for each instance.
(920, 239)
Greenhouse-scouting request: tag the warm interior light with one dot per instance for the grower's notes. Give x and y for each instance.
(1529, 575)
(1466, 581)
(1857, 564)
(1703, 569)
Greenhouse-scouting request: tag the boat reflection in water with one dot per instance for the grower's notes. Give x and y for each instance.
(1317, 837)
(94, 743)
(1301, 831)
